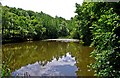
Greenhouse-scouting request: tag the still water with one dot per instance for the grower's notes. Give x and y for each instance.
(43, 58)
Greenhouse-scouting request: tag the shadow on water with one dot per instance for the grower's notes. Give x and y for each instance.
(42, 58)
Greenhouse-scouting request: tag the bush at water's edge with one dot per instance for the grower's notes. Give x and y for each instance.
(99, 25)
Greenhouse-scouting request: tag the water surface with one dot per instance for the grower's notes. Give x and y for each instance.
(42, 58)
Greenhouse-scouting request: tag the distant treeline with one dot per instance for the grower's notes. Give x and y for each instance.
(20, 25)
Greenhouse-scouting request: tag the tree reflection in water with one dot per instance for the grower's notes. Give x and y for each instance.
(49, 55)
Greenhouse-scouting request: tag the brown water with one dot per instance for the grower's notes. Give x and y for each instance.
(42, 58)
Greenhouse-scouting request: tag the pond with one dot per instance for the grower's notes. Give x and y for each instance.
(48, 58)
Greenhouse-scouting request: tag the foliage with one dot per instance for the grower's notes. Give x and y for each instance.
(99, 25)
(5, 71)
(107, 47)
(20, 25)
(84, 21)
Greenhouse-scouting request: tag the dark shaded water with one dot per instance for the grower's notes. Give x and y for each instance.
(42, 58)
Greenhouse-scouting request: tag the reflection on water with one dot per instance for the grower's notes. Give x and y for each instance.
(41, 58)
(62, 67)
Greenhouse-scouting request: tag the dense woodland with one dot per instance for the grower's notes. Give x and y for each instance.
(96, 24)
(20, 25)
